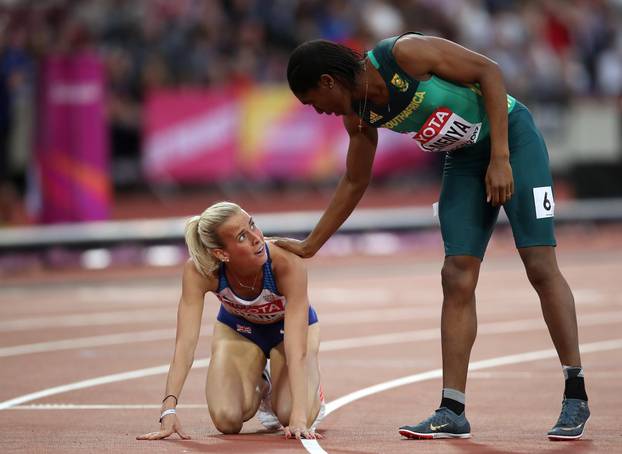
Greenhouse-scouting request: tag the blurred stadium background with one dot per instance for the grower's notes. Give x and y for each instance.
(119, 118)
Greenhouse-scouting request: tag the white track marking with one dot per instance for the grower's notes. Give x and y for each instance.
(426, 305)
(330, 406)
(364, 317)
(87, 342)
(314, 447)
(158, 370)
(332, 295)
(198, 364)
(514, 326)
(153, 335)
(148, 316)
(374, 315)
(78, 320)
(99, 406)
(106, 295)
(613, 344)
(336, 319)
(590, 296)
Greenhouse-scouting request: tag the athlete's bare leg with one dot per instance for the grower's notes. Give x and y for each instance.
(556, 301)
(458, 318)
(234, 384)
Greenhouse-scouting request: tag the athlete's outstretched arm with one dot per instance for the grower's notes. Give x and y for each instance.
(189, 313)
(349, 191)
(420, 56)
(292, 278)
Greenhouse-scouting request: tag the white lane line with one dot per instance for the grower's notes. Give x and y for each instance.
(101, 318)
(426, 306)
(312, 446)
(86, 342)
(387, 314)
(153, 335)
(514, 326)
(325, 295)
(339, 344)
(366, 316)
(336, 319)
(147, 316)
(105, 379)
(100, 406)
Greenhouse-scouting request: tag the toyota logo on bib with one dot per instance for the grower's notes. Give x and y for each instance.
(445, 130)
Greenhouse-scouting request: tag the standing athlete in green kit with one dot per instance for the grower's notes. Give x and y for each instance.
(454, 101)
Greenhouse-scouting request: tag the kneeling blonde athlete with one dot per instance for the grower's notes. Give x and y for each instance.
(264, 313)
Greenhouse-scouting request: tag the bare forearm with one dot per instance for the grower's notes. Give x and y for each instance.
(177, 373)
(347, 196)
(297, 374)
(295, 343)
(495, 102)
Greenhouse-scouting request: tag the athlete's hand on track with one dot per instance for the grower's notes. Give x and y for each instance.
(298, 432)
(298, 247)
(170, 425)
(499, 181)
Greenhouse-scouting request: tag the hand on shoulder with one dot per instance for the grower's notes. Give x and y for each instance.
(284, 260)
(280, 253)
(297, 247)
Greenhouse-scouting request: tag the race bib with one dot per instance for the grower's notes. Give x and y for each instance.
(445, 130)
(543, 200)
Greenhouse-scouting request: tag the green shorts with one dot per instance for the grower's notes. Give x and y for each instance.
(467, 220)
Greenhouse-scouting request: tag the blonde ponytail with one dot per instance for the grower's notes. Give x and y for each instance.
(204, 262)
(201, 235)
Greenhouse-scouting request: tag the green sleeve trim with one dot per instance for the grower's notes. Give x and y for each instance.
(372, 59)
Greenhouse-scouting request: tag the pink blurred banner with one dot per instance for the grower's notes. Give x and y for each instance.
(191, 135)
(283, 139)
(261, 133)
(72, 161)
(398, 153)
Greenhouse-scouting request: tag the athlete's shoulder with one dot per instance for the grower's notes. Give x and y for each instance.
(288, 269)
(409, 43)
(386, 47)
(282, 259)
(386, 43)
(193, 278)
(382, 51)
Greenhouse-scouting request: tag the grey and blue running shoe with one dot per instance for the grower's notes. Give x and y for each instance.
(444, 423)
(571, 422)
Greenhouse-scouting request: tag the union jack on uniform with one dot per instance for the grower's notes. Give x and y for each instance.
(243, 329)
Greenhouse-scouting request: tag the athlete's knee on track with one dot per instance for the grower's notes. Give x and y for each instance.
(227, 420)
(459, 277)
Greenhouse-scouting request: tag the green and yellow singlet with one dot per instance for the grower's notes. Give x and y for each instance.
(444, 115)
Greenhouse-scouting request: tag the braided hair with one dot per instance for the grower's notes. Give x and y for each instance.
(313, 58)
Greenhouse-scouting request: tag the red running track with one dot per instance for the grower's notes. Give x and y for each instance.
(380, 321)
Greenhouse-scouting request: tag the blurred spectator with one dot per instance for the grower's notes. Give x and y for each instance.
(176, 42)
(16, 115)
(549, 50)
(609, 68)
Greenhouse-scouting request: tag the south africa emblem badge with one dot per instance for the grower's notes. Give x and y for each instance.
(399, 83)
